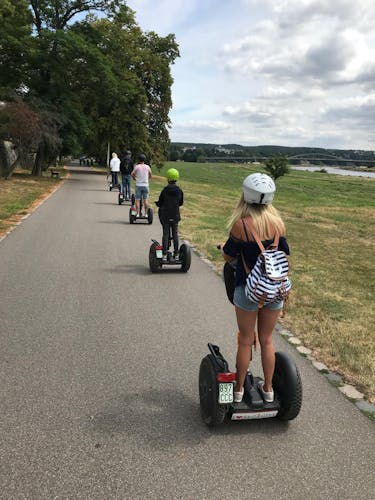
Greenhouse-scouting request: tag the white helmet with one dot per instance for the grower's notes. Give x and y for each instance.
(258, 188)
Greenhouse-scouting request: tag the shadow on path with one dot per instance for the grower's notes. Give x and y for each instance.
(168, 419)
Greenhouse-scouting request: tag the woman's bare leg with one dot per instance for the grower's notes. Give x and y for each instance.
(266, 323)
(246, 325)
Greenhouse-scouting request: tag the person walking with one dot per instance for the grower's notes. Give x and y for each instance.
(141, 174)
(254, 207)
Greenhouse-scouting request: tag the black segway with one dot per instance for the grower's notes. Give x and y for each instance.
(122, 198)
(111, 185)
(114, 186)
(149, 217)
(157, 262)
(216, 391)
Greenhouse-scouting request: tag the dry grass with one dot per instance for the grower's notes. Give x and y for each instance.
(19, 194)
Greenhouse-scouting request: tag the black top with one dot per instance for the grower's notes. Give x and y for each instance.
(250, 250)
(126, 165)
(170, 200)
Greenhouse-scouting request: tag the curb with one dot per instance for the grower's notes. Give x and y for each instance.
(349, 391)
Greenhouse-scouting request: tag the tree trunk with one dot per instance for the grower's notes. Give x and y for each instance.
(8, 159)
(38, 163)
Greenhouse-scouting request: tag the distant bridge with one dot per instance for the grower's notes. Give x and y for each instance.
(313, 157)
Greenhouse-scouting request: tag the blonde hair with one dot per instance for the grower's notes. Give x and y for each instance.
(265, 217)
(114, 155)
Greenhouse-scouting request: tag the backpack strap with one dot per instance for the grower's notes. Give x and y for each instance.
(253, 231)
(249, 221)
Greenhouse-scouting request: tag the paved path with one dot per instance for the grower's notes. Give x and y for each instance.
(99, 367)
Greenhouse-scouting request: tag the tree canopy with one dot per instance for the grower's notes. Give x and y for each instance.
(90, 79)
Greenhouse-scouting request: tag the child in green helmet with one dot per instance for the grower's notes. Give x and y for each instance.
(170, 200)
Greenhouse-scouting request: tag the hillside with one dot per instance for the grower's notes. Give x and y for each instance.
(193, 151)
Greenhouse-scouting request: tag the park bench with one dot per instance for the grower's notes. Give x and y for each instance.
(55, 173)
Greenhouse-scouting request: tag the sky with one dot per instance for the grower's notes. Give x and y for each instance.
(281, 72)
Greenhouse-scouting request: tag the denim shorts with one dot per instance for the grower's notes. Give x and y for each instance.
(141, 192)
(240, 300)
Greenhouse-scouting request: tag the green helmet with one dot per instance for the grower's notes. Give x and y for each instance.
(172, 175)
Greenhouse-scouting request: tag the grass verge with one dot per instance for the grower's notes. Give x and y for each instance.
(19, 193)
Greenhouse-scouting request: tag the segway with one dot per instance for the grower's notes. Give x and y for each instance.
(216, 391)
(157, 262)
(149, 217)
(113, 186)
(122, 198)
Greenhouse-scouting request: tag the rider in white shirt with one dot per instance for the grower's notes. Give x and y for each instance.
(114, 166)
(141, 174)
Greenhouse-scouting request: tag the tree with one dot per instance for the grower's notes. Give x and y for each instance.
(15, 45)
(277, 166)
(21, 127)
(50, 140)
(99, 80)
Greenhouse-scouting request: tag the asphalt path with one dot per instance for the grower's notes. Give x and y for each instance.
(99, 375)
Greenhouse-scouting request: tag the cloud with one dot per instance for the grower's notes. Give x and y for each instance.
(309, 41)
(288, 72)
(358, 112)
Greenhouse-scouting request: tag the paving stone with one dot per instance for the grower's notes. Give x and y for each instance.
(320, 366)
(335, 378)
(294, 340)
(285, 333)
(303, 350)
(351, 392)
(366, 407)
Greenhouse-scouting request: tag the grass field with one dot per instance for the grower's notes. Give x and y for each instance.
(330, 229)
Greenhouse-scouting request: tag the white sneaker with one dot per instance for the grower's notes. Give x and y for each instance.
(237, 396)
(267, 396)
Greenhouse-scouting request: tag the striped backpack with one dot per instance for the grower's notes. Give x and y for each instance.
(268, 280)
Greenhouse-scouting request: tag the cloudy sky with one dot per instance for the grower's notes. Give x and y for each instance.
(285, 72)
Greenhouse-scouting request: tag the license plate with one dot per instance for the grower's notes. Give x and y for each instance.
(225, 393)
(254, 415)
(134, 212)
(159, 254)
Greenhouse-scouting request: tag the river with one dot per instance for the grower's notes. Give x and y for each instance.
(338, 171)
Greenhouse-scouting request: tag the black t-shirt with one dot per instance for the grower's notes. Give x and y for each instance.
(170, 200)
(126, 166)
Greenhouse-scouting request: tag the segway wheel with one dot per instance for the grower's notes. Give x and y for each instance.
(155, 264)
(212, 413)
(131, 217)
(120, 200)
(150, 215)
(185, 257)
(288, 386)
